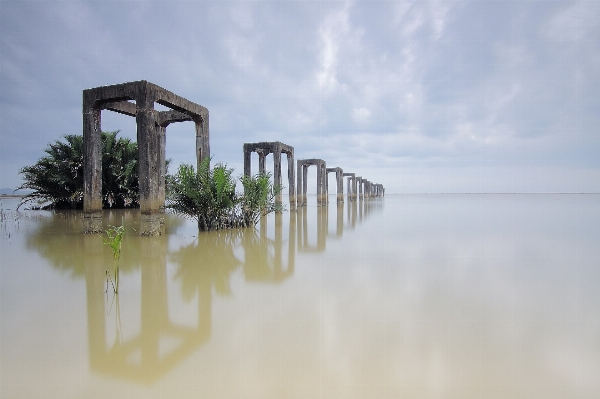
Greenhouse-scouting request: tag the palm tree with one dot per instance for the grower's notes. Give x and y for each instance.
(57, 178)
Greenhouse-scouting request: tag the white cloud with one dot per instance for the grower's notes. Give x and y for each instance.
(358, 82)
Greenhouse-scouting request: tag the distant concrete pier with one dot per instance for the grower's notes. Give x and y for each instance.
(276, 148)
(303, 165)
(339, 179)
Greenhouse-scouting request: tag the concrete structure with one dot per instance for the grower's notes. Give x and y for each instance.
(351, 186)
(359, 191)
(151, 139)
(276, 148)
(303, 165)
(339, 179)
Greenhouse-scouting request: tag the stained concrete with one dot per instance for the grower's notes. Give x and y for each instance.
(137, 99)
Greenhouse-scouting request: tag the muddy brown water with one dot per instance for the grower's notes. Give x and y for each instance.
(411, 296)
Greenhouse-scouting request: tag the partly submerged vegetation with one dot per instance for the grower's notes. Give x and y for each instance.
(208, 196)
(114, 240)
(57, 178)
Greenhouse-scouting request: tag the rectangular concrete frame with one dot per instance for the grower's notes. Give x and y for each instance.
(303, 165)
(339, 179)
(151, 128)
(276, 148)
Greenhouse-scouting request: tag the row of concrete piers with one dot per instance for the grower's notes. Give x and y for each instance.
(358, 187)
(138, 99)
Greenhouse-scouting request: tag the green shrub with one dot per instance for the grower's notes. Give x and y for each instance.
(57, 178)
(209, 197)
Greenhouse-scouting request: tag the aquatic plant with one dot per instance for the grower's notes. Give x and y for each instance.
(258, 198)
(114, 240)
(209, 196)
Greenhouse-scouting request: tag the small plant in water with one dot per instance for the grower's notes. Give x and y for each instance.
(114, 240)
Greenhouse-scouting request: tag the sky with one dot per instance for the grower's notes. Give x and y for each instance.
(420, 96)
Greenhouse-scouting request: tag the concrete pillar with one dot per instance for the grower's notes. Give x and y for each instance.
(147, 165)
(322, 194)
(277, 173)
(304, 184)
(291, 180)
(261, 162)
(92, 167)
(339, 176)
(202, 139)
(359, 190)
(162, 167)
(247, 161)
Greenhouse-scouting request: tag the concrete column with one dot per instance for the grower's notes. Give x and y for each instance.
(261, 162)
(92, 168)
(349, 189)
(358, 185)
(202, 139)
(299, 189)
(291, 181)
(277, 172)
(321, 184)
(304, 184)
(247, 161)
(147, 165)
(339, 176)
(162, 168)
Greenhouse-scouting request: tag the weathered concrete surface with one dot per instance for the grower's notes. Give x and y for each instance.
(151, 139)
(276, 148)
(351, 186)
(321, 165)
(339, 178)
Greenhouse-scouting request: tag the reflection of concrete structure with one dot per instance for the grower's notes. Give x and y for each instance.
(151, 128)
(263, 257)
(275, 148)
(303, 235)
(145, 357)
(339, 179)
(303, 165)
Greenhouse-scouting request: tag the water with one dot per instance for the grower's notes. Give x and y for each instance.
(415, 296)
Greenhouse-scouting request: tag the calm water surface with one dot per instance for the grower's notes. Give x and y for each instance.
(416, 296)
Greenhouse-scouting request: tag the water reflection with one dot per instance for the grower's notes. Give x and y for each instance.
(161, 344)
(263, 256)
(138, 335)
(438, 296)
(202, 267)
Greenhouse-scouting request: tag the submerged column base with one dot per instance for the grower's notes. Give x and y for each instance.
(92, 222)
(150, 225)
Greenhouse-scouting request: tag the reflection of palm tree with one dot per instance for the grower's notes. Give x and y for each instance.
(263, 256)
(59, 240)
(207, 262)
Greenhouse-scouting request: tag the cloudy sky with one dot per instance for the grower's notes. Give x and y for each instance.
(421, 96)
